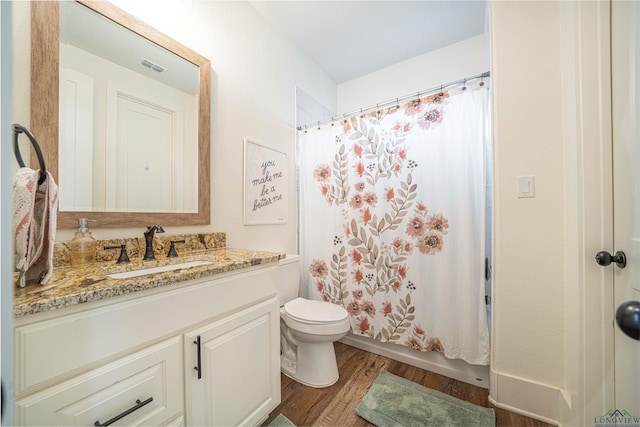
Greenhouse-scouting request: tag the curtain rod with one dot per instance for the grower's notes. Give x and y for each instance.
(395, 101)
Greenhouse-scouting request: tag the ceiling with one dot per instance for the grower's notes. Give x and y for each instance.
(349, 39)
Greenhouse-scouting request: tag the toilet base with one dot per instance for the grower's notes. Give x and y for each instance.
(315, 365)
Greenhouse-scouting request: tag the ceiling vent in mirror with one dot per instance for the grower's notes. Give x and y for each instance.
(152, 65)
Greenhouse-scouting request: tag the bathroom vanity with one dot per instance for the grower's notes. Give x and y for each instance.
(192, 346)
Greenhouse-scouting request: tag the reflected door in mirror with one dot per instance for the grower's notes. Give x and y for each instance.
(147, 156)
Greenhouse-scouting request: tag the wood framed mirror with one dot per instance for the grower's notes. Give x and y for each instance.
(46, 126)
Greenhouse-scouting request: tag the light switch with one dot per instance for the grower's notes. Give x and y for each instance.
(525, 186)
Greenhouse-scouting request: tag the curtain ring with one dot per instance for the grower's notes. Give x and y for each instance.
(464, 84)
(344, 116)
(318, 124)
(416, 101)
(305, 128)
(361, 115)
(482, 80)
(441, 90)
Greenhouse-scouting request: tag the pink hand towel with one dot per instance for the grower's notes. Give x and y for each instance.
(35, 210)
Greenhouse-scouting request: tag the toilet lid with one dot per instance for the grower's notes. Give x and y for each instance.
(315, 311)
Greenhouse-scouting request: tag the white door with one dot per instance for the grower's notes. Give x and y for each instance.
(625, 38)
(144, 157)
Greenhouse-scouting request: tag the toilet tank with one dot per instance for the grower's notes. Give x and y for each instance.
(289, 282)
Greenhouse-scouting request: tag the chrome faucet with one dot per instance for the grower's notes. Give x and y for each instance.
(148, 238)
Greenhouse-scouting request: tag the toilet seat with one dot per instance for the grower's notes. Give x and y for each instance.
(315, 312)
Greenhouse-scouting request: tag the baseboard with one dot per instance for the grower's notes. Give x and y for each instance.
(457, 369)
(529, 398)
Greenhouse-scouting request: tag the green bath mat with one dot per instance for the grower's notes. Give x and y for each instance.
(281, 421)
(395, 401)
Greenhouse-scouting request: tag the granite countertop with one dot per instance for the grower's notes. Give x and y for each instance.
(70, 286)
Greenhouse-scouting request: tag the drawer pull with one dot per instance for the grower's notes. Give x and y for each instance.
(139, 404)
(198, 368)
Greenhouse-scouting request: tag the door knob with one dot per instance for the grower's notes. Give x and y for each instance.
(628, 318)
(604, 258)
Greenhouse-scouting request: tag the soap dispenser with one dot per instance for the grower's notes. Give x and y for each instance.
(82, 247)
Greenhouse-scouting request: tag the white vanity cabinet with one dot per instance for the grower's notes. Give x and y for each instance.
(229, 381)
(129, 360)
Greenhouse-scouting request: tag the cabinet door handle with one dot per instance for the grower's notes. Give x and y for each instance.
(198, 368)
(139, 404)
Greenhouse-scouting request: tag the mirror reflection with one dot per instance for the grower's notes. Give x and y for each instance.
(128, 120)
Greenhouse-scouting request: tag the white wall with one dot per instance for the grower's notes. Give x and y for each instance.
(457, 61)
(528, 232)
(310, 111)
(254, 75)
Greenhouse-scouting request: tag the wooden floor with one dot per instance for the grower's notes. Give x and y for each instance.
(336, 405)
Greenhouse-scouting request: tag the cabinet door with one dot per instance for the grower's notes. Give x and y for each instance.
(144, 388)
(233, 368)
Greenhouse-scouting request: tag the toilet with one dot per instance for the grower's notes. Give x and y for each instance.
(308, 329)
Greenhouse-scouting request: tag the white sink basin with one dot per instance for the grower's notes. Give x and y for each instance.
(160, 269)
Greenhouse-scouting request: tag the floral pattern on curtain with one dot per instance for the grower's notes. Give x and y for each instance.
(392, 222)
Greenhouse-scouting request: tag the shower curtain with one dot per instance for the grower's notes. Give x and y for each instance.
(392, 217)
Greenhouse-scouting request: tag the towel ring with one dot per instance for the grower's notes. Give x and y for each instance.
(17, 129)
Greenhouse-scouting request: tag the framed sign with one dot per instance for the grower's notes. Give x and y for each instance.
(265, 184)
